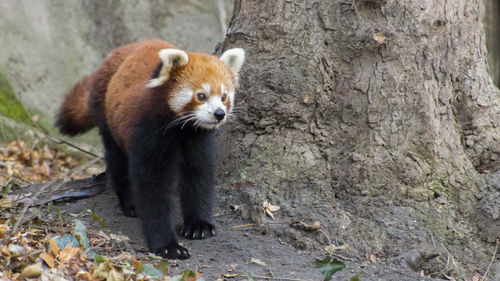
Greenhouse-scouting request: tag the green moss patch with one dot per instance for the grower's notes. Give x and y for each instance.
(10, 106)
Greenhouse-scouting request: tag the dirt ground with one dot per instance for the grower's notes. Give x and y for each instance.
(234, 252)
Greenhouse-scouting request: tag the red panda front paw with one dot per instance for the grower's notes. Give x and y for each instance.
(173, 251)
(198, 230)
(128, 210)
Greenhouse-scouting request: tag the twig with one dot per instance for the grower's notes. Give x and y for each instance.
(61, 141)
(19, 220)
(242, 225)
(58, 184)
(55, 139)
(355, 9)
(491, 262)
(278, 278)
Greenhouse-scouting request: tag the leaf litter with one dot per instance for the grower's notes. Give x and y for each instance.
(36, 243)
(41, 245)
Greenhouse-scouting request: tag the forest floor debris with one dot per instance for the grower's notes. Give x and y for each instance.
(44, 236)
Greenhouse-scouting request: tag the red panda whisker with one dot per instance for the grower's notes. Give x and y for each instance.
(179, 120)
(173, 123)
(187, 120)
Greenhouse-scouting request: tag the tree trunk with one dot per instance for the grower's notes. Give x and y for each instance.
(491, 23)
(377, 118)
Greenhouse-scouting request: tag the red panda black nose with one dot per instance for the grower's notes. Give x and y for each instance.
(219, 114)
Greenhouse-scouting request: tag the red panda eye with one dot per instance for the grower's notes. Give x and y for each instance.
(201, 97)
(223, 98)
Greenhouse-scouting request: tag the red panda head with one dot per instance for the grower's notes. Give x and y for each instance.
(202, 87)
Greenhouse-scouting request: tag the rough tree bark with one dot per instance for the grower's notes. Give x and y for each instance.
(376, 117)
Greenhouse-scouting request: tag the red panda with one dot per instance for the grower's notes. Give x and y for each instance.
(156, 108)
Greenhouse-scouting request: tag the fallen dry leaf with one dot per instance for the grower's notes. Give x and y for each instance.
(331, 248)
(269, 208)
(53, 247)
(379, 37)
(48, 259)
(101, 271)
(305, 226)
(238, 185)
(258, 261)
(371, 257)
(84, 275)
(114, 275)
(32, 271)
(67, 254)
(5, 251)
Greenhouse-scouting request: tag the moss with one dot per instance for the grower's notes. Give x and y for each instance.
(10, 106)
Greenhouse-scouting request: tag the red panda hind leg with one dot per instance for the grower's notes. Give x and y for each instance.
(117, 172)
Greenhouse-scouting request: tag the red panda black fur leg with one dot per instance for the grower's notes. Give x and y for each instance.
(117, 172)
(155, 174)
(198, 159)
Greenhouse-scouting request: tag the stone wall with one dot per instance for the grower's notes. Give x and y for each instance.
(47, 46)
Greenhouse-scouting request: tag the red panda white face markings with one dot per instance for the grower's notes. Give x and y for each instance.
(180, 98)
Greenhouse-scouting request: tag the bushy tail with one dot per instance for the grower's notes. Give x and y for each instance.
(74, 115)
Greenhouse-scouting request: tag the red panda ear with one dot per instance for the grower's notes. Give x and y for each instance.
(170, 58)
(234, 58)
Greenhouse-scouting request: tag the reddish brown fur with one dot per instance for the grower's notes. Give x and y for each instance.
(74, 116)
(120, 98)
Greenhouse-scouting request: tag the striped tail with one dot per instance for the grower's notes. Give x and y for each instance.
(74, 115)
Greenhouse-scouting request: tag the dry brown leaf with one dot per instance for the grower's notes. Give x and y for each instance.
(83, 275)
(101, 271)
(371, 257)
(53, 247)
(332, 248)
(32, 271)
(305, 99)
(307, 227)
(238, 185)
(135, 263)
(48, 259)
(5, 251)
(114, 275)
(258, 261)
(67, 254)
(379, 37)
(270, 208)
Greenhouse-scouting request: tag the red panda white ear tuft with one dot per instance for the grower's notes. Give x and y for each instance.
(234, 58)
(170, 58)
